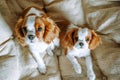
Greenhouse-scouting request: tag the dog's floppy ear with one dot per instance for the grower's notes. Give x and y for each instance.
(95, 40)
(68, 40)
(51, 30)
(19, 34)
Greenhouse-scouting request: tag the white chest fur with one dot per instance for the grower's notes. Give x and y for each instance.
(39, 48)
(79, 52)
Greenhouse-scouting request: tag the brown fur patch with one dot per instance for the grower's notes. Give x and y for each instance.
(51, 30)
(19, 34)
(95, 40)
(39, 24)
(68, 39)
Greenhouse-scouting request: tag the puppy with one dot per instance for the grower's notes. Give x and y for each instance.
(37, 31)
(78, 42)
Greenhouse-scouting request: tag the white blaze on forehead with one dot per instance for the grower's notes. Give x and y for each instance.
(82, 33)
(35, 11)
(30, 23)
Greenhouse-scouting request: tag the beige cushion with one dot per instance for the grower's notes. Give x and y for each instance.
(5, 31)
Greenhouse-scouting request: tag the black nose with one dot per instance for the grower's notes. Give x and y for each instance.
(81, 44)
(31, 37)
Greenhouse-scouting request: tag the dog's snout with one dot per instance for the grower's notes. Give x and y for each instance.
(31, 37)
(81, 44)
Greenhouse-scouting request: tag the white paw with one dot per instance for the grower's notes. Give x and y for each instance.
(91, 76)
(42, 69)
(78, 69)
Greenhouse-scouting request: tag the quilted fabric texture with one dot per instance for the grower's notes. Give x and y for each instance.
(17, 63)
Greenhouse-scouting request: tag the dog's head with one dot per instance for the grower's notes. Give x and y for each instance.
(33, 28)
(81, 38)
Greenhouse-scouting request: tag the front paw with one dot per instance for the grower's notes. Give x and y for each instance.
(42, 69)
(91, 76)
(78, 69)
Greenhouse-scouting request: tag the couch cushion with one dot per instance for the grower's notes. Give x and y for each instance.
(5, 32)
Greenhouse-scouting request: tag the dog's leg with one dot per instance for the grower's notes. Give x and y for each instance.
(40, 62)
(90, 71)
(75, 63)
(53, 44)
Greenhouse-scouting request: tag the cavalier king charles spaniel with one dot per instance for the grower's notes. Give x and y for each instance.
(37, 31)
(78, 42)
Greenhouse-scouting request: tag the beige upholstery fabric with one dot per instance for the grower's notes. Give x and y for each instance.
(17, 63)
(6, 31)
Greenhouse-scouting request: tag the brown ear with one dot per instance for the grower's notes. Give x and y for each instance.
(51, 30)
(95, 40)
(68, 39)
(19, 32)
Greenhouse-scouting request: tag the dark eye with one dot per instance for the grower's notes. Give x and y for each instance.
(24, 29)
(87, 39)
(39, 29)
